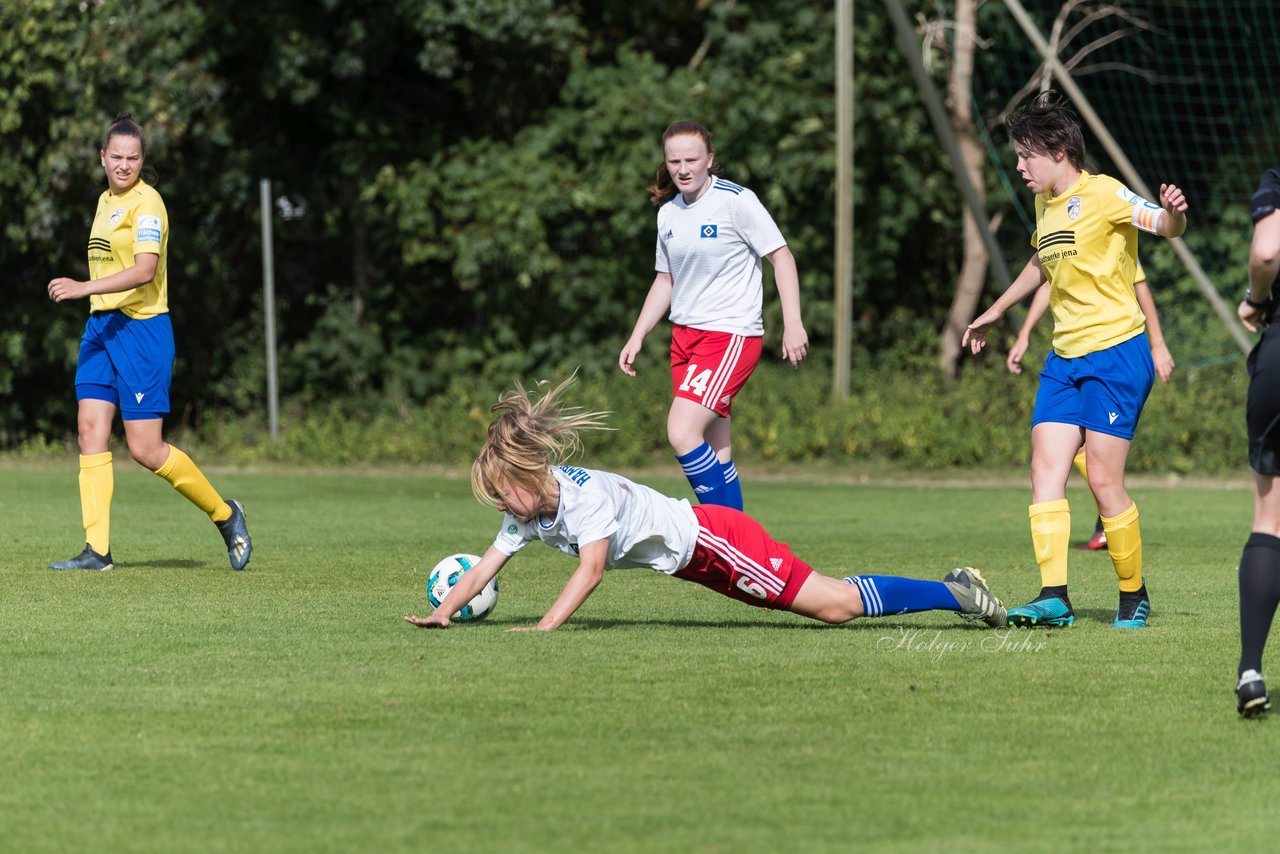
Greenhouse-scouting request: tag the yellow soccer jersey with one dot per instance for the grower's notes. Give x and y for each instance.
(124, 227)
(1087, 240)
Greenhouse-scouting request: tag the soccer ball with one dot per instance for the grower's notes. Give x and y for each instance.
(446, 574)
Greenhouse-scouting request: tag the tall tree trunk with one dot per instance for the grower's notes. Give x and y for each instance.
(973, 272)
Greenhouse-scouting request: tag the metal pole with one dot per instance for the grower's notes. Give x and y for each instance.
(998, 269)
(1225, 312)
(844, 200)
(269, 310)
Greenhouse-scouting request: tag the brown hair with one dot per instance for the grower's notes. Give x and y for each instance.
(663, 189)
(1046, 126)
(124, 125)
(527, 438)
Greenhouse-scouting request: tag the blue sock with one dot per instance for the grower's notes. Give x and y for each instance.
(732, 491)
(705, 474)
(890, 594)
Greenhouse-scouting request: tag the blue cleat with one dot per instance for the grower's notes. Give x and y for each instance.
(87, 559)
(1132, 613)
(1053, 611)
(235, 533)
(1251, 695)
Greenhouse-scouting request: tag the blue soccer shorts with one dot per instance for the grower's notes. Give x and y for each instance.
(1102, 391)
(127, 362)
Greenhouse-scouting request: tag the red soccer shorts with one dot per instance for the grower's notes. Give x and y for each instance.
(737, 558)
(710, 368)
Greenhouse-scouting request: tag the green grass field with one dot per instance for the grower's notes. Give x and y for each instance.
(174, 705)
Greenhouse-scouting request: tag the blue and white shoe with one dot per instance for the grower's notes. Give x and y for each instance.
(1251, 695)
(1132, 613)
(235, 533)
(87, 559)
(1053, 611)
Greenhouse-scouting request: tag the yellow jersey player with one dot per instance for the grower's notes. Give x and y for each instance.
(126, 353)
(1100, 372)
(1160, 356)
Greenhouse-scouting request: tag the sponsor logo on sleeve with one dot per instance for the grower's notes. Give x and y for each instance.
(148, 229)
(1129, 195)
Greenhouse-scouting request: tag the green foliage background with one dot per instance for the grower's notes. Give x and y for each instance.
(461, 201)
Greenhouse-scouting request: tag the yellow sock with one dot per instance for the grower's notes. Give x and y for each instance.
(184, 476)
(1080, 467)
(1051, 537)
(97, 483)
(1124, 544)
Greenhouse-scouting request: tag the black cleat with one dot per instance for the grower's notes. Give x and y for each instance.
(87, 559)
(235, 533)
(1251, 695)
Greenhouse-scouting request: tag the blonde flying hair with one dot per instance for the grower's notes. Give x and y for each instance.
(527, 438)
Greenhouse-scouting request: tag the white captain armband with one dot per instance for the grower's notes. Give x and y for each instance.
(1146, 216)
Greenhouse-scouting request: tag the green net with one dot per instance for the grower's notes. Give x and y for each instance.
(1188, 88)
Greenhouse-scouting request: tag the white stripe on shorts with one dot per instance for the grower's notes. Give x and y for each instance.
(740, 563)
(724, 371)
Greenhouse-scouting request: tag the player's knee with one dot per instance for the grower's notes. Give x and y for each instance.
(148, 454)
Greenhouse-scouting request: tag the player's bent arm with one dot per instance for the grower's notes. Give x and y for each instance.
(656, 305)
(1264, 256)
(1155, 335)
(1173, 222)
(581, 584)
(471, 582)
(1264, 264)
(795, 341)
(142, 271)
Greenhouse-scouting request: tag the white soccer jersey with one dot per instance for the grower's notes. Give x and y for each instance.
(712, 249)
(643, 527)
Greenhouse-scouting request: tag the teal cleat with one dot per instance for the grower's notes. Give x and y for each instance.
(1132, 613)
(1053, 611)
(235, 533)
(87, 559)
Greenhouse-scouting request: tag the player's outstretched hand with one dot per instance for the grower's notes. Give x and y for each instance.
(1014, 360)
(64, 289)
(1252, 318)
(428, 622)
(975, 337)
(1172, 199)
(795, 344)
(1163, 361)
(627, 357)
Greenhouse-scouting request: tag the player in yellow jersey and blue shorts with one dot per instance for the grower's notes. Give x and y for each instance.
(126, 353)
(1100, 372)
(1160, 356)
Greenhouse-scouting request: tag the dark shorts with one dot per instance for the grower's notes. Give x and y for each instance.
(127, 362)
(1262, 411)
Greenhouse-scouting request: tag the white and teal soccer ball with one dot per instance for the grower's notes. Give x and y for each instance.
(446, 574)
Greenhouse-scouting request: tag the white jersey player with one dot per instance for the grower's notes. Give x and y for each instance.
(606, 521)
(712, 235)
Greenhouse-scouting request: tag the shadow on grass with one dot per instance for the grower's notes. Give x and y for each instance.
(167, 563)
(861, 624)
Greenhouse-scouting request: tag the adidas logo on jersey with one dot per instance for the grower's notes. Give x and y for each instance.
(776, 563)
